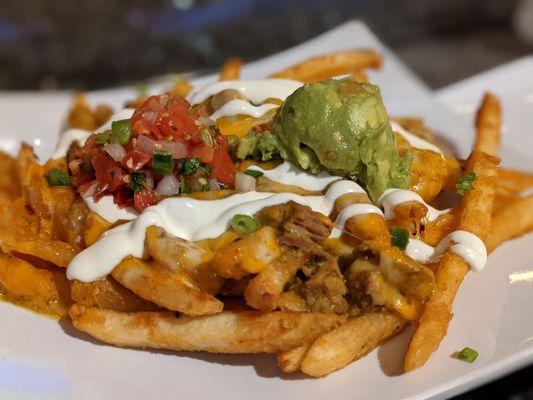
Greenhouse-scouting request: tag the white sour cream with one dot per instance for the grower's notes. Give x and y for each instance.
(415, 141)
(256, 91)
(465, 244)
(66, 139)
(189, 219)
(79, 136)
(351, 211)
(394, 197)
(106, 208)
(241, 107)
(289, 174)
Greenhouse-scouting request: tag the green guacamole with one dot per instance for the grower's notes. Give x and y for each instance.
(340, 126)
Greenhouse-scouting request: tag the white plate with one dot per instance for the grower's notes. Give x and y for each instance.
(41, 359)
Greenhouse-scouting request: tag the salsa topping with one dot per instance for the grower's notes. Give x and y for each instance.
(162, 150)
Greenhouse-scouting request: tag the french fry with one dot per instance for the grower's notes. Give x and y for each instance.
(9, 184)
(35, 288)
(82, 117)
(95, 226)
(290, 360)
(474, 217)
(109, 294)
(349, 342)
(54, 251)
(514, 181)
(502, 229)
(231, 69)
(174, 291)
(227, 332)
(488, 125)
(329, 65)
(264, 289)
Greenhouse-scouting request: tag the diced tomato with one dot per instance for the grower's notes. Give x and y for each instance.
(144, 198)
(122, 197)
(203, 152)
(223, 168)
(108, 172)
(135, 159)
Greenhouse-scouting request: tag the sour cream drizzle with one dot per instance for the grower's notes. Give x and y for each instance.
(289, 174)
(415, 141)
(189, 219)
(351, 211)
(108, 210)
(465, 244)
(394, 197)
(256, 91)
(79, 136)
(241, 107)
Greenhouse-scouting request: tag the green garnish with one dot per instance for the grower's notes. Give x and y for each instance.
(137, 179)
(162, 162)
(190, 166)
(102, 138)
(206, 138)
(467, 354)
(244, 224)
(58, 177)
(465, 183)
(254, 173)
(185, 185)
(121, 131)
(399, 237)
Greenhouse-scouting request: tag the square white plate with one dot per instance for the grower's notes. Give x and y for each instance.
(40, 359)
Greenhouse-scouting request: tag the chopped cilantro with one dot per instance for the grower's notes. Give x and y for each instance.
(399, 237)
(465, 183)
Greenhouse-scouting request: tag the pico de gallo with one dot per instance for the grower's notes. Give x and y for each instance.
(162, 150)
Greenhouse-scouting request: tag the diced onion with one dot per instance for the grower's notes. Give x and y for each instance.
(205, 121)
(149, 179)
(150, 116)
(168, 186)
(116, 151)
(213, 184)
(244, 183)
(145, 144)
(178, 150)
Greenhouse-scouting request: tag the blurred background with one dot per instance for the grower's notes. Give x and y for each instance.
(90, 44)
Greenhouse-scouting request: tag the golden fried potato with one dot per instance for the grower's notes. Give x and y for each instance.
(349, 342)
(174, 291)
(231, 69)
(488, 125)
(227, 332)
(291, 360)
(95, 226)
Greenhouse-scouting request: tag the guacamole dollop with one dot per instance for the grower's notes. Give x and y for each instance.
(337, 125)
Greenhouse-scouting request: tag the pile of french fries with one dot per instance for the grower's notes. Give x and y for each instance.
(160, 302)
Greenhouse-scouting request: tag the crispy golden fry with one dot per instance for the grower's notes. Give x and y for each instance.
(488, 125)
(264, 290)
(520, 212)
(514, 181)
(95, 225)
(181, 88)
(231, 69)
(349, 342)
(291, 360)
(81, 116)
(109, 294)
(227, 332)
(9, 184)
(54, 251)
(34, 288)
(474, 216)
(174, 291)
(329, 65)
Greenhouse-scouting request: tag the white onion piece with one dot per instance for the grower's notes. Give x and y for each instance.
(149, 179)
(178, 150)
(168, 186)
(116, 151)
(145, 144)
(213, 184)
(244, 183)
(150, 116)
(90, 190)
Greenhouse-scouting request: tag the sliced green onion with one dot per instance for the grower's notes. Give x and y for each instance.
(137, 179)
(253, 172)
(121, 131)
(206, 138)
(465, 183)
(244, 224)
(58, 177)
(185, 185)
(190, 166)
(399, 237)
(162, 162)
(102, 138)
(467, 354)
